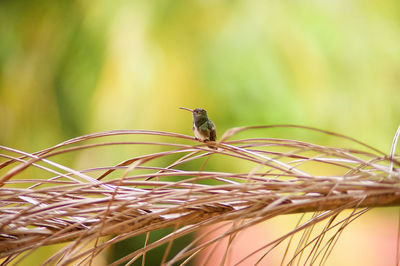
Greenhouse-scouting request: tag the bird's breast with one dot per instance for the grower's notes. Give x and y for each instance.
(198, 134)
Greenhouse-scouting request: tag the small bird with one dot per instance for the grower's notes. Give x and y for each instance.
(203, 128)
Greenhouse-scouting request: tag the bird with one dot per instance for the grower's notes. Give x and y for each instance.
(203, 128)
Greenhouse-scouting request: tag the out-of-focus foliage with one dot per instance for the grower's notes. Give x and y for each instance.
(69, 68)
(73, 67)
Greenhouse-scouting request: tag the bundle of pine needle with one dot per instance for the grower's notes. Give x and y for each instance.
(44, 202)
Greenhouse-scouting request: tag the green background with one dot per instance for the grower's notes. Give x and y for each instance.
(73, 67)
(69, 68)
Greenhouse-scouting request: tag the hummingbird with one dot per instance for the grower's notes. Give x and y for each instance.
(203, 128)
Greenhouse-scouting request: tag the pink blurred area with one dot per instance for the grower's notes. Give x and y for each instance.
(370, 240)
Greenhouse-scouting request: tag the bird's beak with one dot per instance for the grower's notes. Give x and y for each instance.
(187, 109)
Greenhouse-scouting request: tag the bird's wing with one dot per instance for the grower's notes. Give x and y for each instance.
(213, 131)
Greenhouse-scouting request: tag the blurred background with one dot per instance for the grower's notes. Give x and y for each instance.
(69, 68)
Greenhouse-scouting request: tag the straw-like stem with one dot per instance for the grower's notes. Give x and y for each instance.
(45, 202)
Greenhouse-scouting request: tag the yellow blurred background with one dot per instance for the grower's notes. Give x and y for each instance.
(69, 68)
